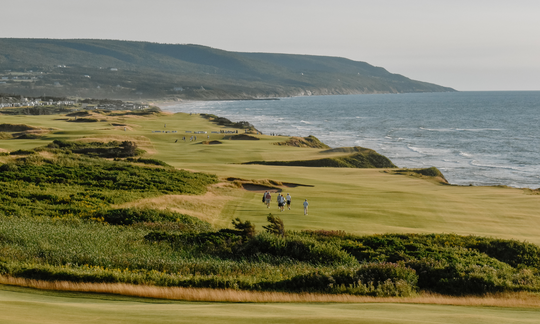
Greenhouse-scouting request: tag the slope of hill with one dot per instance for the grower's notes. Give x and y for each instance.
(126, 69)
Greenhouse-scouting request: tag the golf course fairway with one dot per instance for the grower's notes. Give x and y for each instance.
(23, 305)
(358, 201)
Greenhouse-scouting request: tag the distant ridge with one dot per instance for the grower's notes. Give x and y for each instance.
(127, 69)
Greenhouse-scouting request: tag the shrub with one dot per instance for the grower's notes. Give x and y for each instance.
(22, 152)
(148, 161)
(297, 247)
(376, 279)
(276, 226)
(247, 228)
(129, 216)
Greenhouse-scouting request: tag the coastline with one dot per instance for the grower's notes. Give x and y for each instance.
(472, 166)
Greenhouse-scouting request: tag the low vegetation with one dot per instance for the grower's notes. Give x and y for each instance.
(70, 185)
(308, 261)
(113, 149)
(431, 172)
(366, 159)
(226, 122)
(15, 127)
(310, 141)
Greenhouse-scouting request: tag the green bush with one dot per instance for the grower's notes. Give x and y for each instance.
(129, 216)
(376, 279)
(453, 264)
(298, 248)
(102, 174)
(149, 161)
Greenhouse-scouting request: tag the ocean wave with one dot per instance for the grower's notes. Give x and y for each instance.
(305, 122)
(464, 154)
(479, 129)
(450, 161)
(505, 167)
(415, 149)
(438, 129)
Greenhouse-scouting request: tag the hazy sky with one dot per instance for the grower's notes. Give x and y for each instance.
(467, 45)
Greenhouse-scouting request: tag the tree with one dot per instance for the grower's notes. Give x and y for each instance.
(129, 148)
(246, 227)
(276, 225)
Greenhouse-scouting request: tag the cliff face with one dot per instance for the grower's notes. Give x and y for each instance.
(120, 69)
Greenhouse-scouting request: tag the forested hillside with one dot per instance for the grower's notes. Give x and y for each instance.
(126, 69)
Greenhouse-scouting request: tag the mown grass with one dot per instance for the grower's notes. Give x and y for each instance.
(67, 305)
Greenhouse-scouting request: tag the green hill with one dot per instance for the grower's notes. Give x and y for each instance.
(126, 69)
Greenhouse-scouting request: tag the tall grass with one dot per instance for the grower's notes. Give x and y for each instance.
(521, 300)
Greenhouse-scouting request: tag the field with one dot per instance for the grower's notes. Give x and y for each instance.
(358, 201)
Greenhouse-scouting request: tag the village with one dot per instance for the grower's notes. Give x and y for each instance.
(7, 101)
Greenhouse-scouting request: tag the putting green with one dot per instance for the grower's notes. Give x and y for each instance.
(23, 305)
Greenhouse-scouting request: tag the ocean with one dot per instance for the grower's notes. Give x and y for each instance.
(478, 138)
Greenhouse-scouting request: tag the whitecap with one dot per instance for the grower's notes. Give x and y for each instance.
(477, 164)
(438, 129)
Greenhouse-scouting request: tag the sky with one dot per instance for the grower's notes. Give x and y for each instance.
(467, 45)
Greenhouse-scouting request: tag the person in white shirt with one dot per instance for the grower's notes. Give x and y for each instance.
(289, 201)
(305, 207)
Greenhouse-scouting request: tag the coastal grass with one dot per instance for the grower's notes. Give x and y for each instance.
(514, 300)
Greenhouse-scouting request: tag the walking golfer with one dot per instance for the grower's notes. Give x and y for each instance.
(268, 199)
(305, 207)
(289, 201)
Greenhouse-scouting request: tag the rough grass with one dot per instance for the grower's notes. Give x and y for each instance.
(432, 172)
(521, 300)
(16, 127)
(310, 141)
(207, 207)
(366, 159)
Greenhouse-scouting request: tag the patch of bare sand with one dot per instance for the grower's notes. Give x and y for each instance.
(46, 155)
(3, 150)
(206, 207)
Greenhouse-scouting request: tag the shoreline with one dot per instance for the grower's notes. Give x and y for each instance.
(173, 103)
